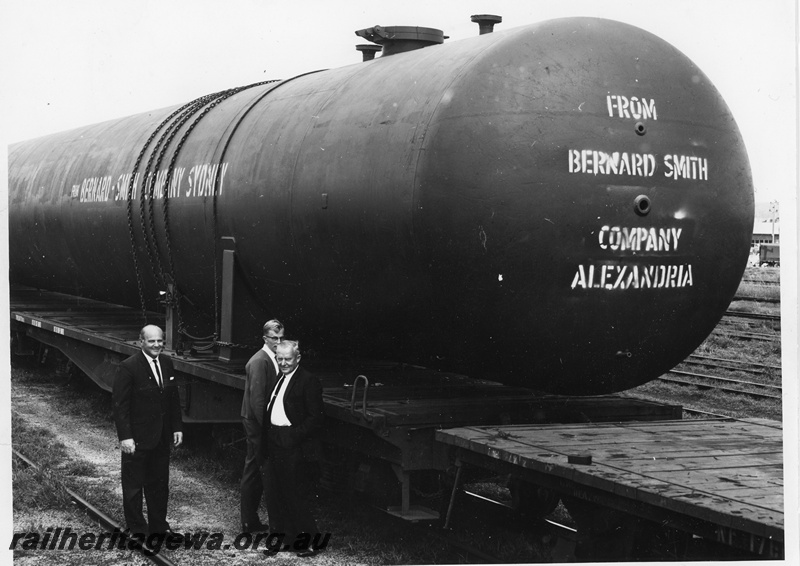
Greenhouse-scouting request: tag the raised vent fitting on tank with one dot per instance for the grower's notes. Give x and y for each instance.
(399, 39)
(368, 51)
(486, 22)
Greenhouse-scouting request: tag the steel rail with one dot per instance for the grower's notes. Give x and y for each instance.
(753, 315)
(756, 299)
(737, 362)
(727, 379)
(704, 414)
(719, 388)
(756, 371)
(761, 282)
(101, 517)
(749, 335)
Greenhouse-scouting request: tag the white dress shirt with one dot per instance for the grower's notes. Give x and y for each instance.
(154, 362)
(278, 416)
(271, 355)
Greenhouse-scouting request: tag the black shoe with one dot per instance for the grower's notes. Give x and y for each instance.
(257, 527)
(309, 553)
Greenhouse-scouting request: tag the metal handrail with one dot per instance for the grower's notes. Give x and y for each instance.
(364, 414)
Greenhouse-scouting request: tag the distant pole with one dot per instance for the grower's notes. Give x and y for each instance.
(773, 208)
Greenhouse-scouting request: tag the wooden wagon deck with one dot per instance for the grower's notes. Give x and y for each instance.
(720, 479)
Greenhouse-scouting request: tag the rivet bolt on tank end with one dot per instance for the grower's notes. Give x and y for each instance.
(641, 205)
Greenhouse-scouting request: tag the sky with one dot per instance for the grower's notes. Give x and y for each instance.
(71, 63)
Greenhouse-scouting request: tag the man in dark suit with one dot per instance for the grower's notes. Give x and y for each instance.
(262, 374)
(292, 421)
(147, 413)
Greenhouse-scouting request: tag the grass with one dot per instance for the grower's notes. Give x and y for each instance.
(44, 487)
(58, 469)
(754, 290)
(721, 345)
(765, 274)
(712, 401)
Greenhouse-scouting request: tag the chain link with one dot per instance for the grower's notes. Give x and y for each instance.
(131, 189)
(166, 132)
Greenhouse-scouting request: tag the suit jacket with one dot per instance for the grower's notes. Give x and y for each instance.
(302, 402)
(259, 383)
(142, 410)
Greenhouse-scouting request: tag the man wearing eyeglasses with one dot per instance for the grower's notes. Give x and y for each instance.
(262, 375)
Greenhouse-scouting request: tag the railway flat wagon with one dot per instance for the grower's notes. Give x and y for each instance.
(506, 230)
(719, 479)
(381, 416)
(616, 462)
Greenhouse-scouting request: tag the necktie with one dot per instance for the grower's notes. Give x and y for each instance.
(158, 374)
(275, 395)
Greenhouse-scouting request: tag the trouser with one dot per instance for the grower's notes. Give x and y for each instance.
(251, 486)
(146, 472)
(287, 504)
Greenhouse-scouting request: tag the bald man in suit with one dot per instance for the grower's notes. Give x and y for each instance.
(147, 413)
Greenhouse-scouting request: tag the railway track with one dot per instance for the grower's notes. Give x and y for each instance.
(700, 413)
(102, 518)
(749, 335)
(753, 315)
(757, 299)
(728, 385)
(761, 282)
(729, 364)
(737, 324)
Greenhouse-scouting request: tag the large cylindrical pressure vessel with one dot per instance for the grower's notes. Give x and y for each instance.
(566, 206)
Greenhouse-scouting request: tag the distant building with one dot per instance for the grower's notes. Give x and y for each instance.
(763, 231)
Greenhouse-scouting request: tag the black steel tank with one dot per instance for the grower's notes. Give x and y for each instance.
(566, 206)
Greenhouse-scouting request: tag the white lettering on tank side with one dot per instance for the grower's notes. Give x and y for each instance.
(156, 189)
(222, 177)
(199, 182)
(631, 108)
(686, 167)
(124, 185)
(623, 238)
(202, 179)
(94, 189)
(612, 277)
(594, 162)
(175, 182)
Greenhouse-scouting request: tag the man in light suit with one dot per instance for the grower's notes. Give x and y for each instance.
(147, 413)
(293, 419)
(262, 374)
